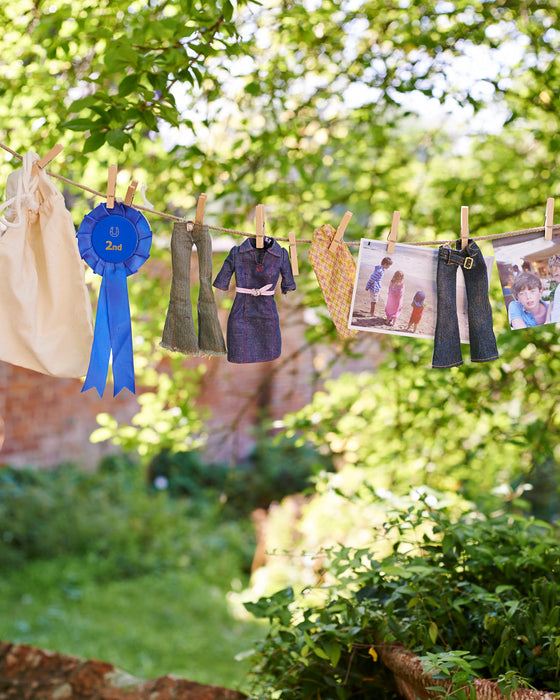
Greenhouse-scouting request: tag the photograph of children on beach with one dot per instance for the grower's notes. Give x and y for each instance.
(397, 293)
(529, 270)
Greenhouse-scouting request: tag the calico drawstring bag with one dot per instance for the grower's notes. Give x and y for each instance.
(45, 311)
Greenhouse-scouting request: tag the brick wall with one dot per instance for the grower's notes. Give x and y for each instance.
(45, 421)
(239, 395)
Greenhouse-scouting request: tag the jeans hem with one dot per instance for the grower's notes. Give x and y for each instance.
(454, 364)
(212, 353)
(486, 359)
(194, 353)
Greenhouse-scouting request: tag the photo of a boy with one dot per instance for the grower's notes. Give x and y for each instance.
(553, 315)
(374, 283)
(527, 309)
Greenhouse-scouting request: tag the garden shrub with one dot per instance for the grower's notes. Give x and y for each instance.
(274, 469)
(344, 508)
(473, 597)
(110, 517)
(183, 474)
(282, 466)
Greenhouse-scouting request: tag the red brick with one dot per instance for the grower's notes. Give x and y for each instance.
(47, 420)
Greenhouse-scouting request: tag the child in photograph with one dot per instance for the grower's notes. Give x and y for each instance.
(394, 303)
(553, 315)
(374, 282)
(418, 304)
(506, 286)
(527, 309)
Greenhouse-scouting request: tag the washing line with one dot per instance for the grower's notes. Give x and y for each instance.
(233, 232)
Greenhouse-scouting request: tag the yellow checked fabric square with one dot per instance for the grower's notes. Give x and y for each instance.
(335, 274)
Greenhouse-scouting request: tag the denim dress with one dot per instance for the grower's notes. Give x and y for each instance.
(253, 327)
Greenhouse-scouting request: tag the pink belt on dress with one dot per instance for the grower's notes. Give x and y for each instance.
(265, 291)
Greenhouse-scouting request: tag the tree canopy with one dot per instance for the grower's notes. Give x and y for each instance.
(313, 108)
(297, 103)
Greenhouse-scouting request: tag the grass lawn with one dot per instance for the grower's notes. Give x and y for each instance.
(176, 622)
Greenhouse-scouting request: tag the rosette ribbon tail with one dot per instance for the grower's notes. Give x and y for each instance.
(112, 333)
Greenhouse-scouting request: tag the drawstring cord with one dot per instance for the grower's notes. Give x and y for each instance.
(25, 195)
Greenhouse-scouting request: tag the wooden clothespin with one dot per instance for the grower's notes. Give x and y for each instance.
(293, 253)
(200, 206)
(464, 227)
(340, 232)
(393, 232)
(549, 218)
(259, 225)
(46, 159)
(130, 193)
(111, 186)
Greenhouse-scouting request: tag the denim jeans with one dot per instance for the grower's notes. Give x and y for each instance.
(447, 345)
(179, 333)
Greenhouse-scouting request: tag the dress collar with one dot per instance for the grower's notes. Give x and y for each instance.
(246, 246)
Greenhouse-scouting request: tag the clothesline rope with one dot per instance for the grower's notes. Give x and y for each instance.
(233, 232)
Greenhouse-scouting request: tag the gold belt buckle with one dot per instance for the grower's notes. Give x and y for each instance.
(468, 263)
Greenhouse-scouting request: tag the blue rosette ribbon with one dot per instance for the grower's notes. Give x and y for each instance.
(115, 243)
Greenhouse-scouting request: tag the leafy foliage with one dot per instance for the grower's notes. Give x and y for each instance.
(94, 566)
(313, 108)
(273, 470)
(482, 432)
(168, 416)
(310, 108)
(113, 69)
(109, 518)
(485, 585)
(474, 597)
(323, 653)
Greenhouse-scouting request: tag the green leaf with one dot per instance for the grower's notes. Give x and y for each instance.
(433, 632)
(94, 141)
(82, 103)
(334, 654)
(447, 543)
(150, 120)
(81, 124)
(128, 85)
(117, 138)
(321, 653)
(253, 88)
(227, 10)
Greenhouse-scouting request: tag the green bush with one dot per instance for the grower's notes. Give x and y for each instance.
(110, 517)
(183, 474)
(274, 469)
(472, 597)
(281, 466)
